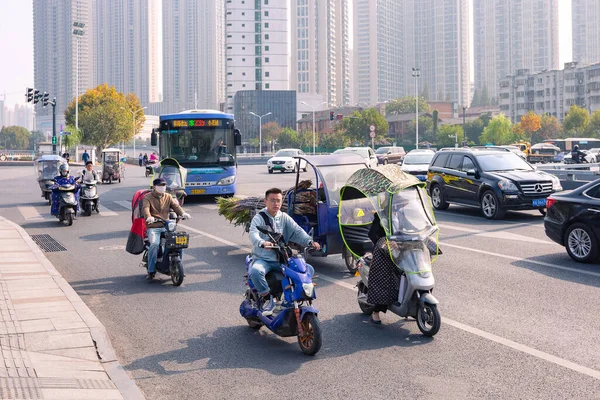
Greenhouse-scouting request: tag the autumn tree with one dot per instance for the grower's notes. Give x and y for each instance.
(593, 127)
(446, 135)
(14, 138)
(270, 131)
(498, 131)
(105, 116)
(550, 128)
(576, 121)
(530, 123)
(356, 126)
(406, 105)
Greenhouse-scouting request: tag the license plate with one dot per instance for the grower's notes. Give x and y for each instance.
(181, 240)
(539, 202)
(198, 191)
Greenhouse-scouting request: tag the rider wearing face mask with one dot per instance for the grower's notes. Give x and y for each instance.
(158, 204)
(64, 178)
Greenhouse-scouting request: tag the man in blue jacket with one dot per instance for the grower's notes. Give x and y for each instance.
(265, 259)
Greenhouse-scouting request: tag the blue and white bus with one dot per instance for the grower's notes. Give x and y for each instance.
(204, 143)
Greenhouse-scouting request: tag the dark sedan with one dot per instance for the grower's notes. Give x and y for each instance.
(573, 220)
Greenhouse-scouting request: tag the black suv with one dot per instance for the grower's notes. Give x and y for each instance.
(493, 179)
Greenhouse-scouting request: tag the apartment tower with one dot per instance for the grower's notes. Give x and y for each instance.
(586, 31)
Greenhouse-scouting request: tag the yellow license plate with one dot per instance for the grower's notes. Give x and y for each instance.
(182, 240)
(198, 191)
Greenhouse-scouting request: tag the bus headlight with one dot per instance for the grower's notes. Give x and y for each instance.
(226, 181)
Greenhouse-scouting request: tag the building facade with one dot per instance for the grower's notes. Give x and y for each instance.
(586, 31)
(193, 55)
(257, 46)
(550, 92)
(320, 67)
(511, 35)
(59, 57)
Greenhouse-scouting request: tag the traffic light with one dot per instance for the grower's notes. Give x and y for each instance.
(340, 117)
(331, 115)
(45, 99)
(53, 140)
(36, 96)
(29, 94)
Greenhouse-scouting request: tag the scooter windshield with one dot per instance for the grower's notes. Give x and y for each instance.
(408, 217)
(411, 257)
(48, 169)
(172, 176)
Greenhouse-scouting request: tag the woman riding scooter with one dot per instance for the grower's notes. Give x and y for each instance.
(62, 180)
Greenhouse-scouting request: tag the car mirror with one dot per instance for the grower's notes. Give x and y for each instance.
(471, 172)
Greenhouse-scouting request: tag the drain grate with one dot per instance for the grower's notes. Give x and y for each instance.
(47, 243)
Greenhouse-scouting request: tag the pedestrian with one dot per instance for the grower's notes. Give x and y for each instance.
(85, 157)
(145, 158)
(140, 159)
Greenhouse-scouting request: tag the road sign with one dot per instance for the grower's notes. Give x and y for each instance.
(372, 134)
(65, 133)
(372, 128)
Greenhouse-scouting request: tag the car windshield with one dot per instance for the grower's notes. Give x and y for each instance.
(361, 152)
(424, 158)
(285, 153)
(382, 150)
(502, 162)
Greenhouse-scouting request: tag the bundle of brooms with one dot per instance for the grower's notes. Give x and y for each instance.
(240, 211)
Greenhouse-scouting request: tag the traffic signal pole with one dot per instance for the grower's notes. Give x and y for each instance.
(53, 125)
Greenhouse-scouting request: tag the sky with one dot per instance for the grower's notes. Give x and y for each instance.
(16, 46)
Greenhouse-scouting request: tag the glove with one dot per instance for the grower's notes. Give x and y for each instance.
(186, 216)
(150, 220)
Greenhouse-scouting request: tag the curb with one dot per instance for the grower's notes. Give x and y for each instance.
(106, 353)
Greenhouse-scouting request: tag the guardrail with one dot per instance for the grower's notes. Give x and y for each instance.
(17, 155)
(573, 172)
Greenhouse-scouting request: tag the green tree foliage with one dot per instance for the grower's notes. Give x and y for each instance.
(14, 138)
(35, 138)
(445, 136)
(289, 138)
(406, 105)
(270, 131)
(305, 139)
(550, 129)
(73, 139)
(425, 130)
(357, 126)
(334, 140)
(105, 116)
(576, 121)
(435, 119)
(498, 131)
(593, 127)
(473, 130)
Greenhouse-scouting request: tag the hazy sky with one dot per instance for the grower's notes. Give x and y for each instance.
(16, 46)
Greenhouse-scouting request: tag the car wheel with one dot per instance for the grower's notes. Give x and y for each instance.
(270, 171)
(490, 206)
(437, 198)
(385, 162)
(581, 243)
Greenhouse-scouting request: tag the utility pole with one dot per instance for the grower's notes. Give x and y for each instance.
(416, 73)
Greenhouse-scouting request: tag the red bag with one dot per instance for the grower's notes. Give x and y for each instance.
(137, 233)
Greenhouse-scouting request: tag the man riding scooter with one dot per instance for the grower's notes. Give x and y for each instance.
(63, 179)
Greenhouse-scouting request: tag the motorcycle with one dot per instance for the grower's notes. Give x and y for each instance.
(88, 197)
(291, 317)
(67, 202)
(404, 210)
(170, 251)
(150, 167)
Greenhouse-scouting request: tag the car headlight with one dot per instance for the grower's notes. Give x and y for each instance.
(289, 161)
(269, 162)
(556, 183)
(507, 186)
(226, 181)
(309, 289)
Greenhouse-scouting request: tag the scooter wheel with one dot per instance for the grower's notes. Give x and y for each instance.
(350, 260)
(254, 324)
(312, 338)
(428, 319)
(365, 307)
(177, 273)
(88, 209)
(69, 219)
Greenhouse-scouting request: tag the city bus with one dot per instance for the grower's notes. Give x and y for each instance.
(204, 143)
(567, 144)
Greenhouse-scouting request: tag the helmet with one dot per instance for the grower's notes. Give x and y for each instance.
(64, 169)
(576, 147)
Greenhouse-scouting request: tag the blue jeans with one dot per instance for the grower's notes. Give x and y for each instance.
(260, 268)
(154, 240)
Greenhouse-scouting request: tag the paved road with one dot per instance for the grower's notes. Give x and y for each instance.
(519, 316)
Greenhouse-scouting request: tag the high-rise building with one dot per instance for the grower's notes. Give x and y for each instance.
(511, 35)
(126, 47)
(193, 55)
(436, 41)
(379, 57)
(257, 46)
(586, 31)
(56, 51)
(320, 52)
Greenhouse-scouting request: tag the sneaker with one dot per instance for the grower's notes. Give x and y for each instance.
(150, 276)
(278, 307)
(268, 306)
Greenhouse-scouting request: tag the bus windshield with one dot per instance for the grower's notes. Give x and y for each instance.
(198, 146)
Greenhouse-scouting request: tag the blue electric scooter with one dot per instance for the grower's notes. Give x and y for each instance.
(295, 316)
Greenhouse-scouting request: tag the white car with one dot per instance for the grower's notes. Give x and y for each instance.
(365, 152)
(284, 161)
(416, 162)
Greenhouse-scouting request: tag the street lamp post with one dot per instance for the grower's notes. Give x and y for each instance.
(313, 123)
(133, 113)
(464, 124)
(260, 117)
(416, 73)
(78, 32)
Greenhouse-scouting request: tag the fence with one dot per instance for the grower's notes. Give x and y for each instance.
(17, 155)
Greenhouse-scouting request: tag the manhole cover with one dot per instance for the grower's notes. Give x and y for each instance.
(47, 243)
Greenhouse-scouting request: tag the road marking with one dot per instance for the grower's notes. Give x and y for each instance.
(30, 213)
(209, 206)
(459, 325)
(124, 204)
(545, 264)
(482, 219)
(497, 235)
(105, 212)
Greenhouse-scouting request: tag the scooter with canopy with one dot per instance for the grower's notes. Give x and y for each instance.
(47, 168)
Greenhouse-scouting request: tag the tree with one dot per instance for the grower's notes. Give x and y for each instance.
(14, 138)
(270, 131)
(104, 116)
(445, 136)
(425, 130)
(406, 105)
(289, 138)
(498, 132)
(530, 124)
(593, 128)
(473, 130)
(35, 138)
(73, 139)
(550, 128)
(435, 119)
(357, 126)
(576, 121)
(334, 140)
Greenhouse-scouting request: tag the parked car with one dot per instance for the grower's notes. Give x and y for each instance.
(495, 180)
(573, 221)
(416, 162)
(284, 161)
(517, 150)
(391, 154)
(365, 152)
(588, 157)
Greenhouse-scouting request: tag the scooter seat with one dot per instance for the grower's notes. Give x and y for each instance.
(274, 280)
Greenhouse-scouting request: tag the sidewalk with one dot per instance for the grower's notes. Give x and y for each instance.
(51, 344)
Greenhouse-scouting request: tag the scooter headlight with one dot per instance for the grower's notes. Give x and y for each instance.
(171, 225)
(309, 289)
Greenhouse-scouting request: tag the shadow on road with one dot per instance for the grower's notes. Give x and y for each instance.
(106, 236)
(576, 274)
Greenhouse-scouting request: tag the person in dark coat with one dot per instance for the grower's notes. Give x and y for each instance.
(384, 276)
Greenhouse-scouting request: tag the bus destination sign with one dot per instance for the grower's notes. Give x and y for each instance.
(196, 123)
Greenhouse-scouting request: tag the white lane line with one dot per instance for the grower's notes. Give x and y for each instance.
(526, 260)
(477, 332)
(497, 235)
(209, 206)
(105, 212)
(124, 204)
(30, 213)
